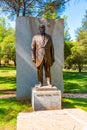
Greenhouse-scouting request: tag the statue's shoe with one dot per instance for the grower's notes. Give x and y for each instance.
(38, 85)
(49, 85)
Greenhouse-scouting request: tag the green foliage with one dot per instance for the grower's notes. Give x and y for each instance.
(84, 22)
(50, 15)
(78, 54)
(67, 48)
(82, 35)
(2, 32)
(68, 44)
(33, 7)
(83, 26)
(7, 42)
(81, 49)
(67, 36)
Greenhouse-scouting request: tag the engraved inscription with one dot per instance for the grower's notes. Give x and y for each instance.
(40, 95)
(55, 94)
(47, 95)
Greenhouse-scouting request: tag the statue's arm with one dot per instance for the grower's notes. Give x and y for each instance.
(52, 50)
(33, 49)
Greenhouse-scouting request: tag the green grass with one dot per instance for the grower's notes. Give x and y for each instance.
(9, 109)
(75, 103)
(75, 82)
(7, 78)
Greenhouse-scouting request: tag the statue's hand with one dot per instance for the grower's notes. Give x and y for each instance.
(34, 60)
(53, 60)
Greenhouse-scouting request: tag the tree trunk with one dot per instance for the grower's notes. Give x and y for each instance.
(24, 7)
(0, 62)
(80, 68)
(14, 63)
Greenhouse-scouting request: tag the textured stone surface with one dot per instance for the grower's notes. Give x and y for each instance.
(66, 119)
(75, 95)
(45, 88)
(46, 98)
(26, 71)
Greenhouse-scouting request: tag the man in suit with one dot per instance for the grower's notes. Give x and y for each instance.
(43, 54)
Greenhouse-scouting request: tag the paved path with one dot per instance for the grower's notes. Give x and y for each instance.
(66, 119)
(12, 93)
(75, 95)
(7, 93)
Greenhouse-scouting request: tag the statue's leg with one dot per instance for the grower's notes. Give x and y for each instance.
(40, 73)
(47, 74)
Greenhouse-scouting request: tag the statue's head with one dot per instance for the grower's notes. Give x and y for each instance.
(42, 28)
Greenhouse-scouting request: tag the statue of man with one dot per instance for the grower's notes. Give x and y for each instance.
(43, 54)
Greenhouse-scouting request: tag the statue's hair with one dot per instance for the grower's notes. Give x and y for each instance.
(41, 26)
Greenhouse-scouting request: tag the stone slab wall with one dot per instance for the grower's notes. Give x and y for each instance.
(26, 27)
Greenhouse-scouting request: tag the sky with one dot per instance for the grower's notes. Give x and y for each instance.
(75, 11)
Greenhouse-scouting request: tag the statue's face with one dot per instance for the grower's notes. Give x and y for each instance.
(42, 30)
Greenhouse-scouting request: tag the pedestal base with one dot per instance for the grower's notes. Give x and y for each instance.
(46, 98)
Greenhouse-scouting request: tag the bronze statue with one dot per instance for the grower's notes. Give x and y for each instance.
(43, 54)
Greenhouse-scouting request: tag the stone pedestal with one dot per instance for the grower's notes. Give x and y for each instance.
(65, 119)
(46, 98)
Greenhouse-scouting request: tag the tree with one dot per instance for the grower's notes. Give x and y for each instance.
(32, 7)
(83, 27)
(67, 48)
(7, 42)
(78, 56)
(9, 46)
(82, 37)
(79, 51)
(67, 36)
(84, 21)
(2, 35)
(68, 44)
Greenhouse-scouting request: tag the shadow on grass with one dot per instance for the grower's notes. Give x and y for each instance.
(7, 68)
(9, 108)
(75, 82)
(75, 87)
(75, 75)
(4, 80)
(75, 103)
(7, 78)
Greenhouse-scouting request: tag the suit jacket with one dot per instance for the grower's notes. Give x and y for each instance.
(42, 47)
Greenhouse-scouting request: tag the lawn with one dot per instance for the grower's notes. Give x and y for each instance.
(75, 103)
(7, 78)
(75, 82)
(9, 108)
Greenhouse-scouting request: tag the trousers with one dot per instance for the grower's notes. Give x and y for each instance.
(47, 72)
